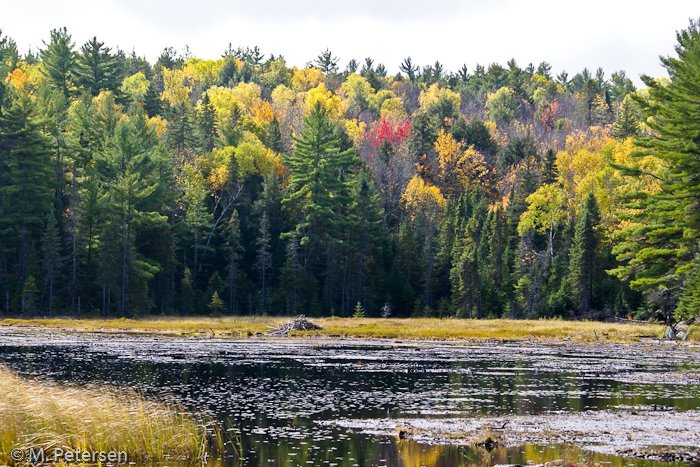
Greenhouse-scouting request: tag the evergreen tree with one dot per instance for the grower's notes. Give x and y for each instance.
(264, 260)
(584, 268)
(27, 188)
(627, 123)
(273, 138)
(152, 102)
(317, 189)
(658, 250)
(51, 246)
(327, 62)
(206, 122)
(59, 61)
(550, 174)
(234, 247)
(98, 70)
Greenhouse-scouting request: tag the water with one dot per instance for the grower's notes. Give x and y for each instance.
(272, 391)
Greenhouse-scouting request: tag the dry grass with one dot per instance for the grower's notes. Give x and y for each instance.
(39, 414)
(409, 328)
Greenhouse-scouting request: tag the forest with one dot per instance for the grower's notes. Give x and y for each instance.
(246, 186)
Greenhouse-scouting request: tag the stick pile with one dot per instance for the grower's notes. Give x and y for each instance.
(300, 323)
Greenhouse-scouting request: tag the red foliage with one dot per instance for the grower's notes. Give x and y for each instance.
(549, 114)
(386, 131)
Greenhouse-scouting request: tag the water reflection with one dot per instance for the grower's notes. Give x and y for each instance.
(273, 392)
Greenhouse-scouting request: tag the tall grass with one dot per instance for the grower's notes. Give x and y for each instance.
(545, 330)
(40, 414)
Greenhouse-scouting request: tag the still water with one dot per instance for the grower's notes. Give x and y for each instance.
(273, 391)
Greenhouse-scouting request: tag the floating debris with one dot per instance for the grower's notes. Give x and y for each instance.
(300, 323)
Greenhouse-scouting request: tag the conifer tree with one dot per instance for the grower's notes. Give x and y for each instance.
(206, 123)
(153, 105)
(98, 70)
(59, 60)
(658, 250)
(584, 268)
(318, 191)
(51, 246)
(26, 190)
(234, 247)
(627, 124)
(273, 138)
(264, 260)
(550, 173)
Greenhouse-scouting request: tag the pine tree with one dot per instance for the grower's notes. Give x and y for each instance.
(627, 124)
(318, 191)
(233, 245)
(51, 246)
(59, 61)
(206, 123)
(27, 188)
(584, 268)
(153, 105)
(216, 304)
(264, 261)
(273, 138)
(98, 70)
(550, 174)
(657, 251)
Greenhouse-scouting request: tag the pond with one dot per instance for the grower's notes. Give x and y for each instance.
(275, 391)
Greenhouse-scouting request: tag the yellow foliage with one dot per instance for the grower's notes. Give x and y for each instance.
(421, 199)
(108, 111)
(545, 210)
(307, 78)
(18, 80)
(35, 73)
(159, 124)
(253, 158)
(202, 72)
(245, 97)
(356, 130)
(458, 166)
(584, 167)
(434, 93)
(124, 118)
(262, 112)
(282, 95)
(332, 103)
(175, 91)
(136, 86)
(393, 109)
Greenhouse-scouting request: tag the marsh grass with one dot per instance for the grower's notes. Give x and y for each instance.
(42, 414)
(545, 330)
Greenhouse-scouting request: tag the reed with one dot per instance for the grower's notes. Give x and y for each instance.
(543, 330)
(50, 415)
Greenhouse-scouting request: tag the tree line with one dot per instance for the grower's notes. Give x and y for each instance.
(242, 185)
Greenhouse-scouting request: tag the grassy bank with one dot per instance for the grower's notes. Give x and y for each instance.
(410, 328)
(40, 414)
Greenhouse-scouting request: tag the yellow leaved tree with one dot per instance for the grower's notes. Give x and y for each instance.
(423, 201)
(335, 107)
(459, 166)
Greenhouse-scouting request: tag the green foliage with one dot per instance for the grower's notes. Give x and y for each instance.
(657, 251)
(59, 61)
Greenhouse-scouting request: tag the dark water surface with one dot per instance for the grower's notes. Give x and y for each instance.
(274, 390)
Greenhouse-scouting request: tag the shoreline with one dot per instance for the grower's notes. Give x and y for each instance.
(447, 329)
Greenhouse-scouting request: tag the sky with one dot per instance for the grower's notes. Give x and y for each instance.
(612, 34)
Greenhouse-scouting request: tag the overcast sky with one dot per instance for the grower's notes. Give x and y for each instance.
(615, 35)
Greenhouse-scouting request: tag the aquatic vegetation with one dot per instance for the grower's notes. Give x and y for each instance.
(47, 415)
(393, 328)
